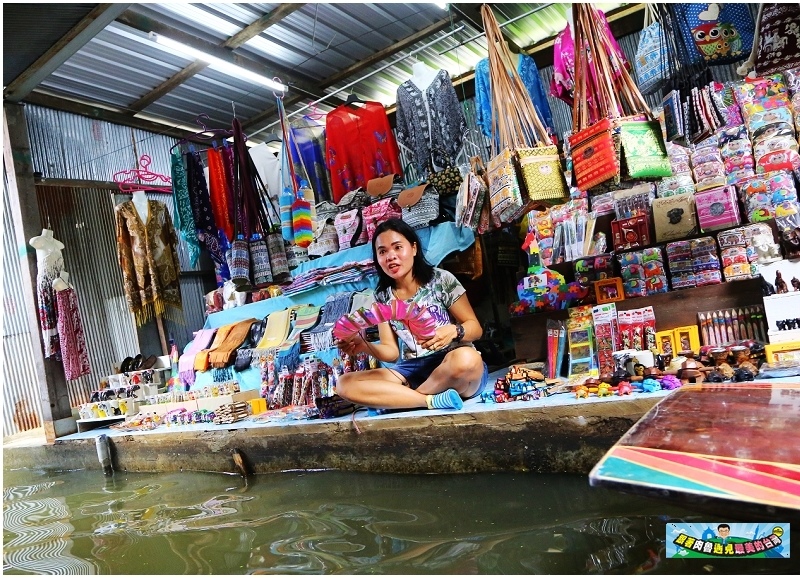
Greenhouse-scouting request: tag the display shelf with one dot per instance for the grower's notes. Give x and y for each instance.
(673, 309)
(566, 268)
(437, 243)
(95, 422)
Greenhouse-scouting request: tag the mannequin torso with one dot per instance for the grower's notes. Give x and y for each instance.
(61, 282)
(423, 75)
(48, 249)
(142, 205)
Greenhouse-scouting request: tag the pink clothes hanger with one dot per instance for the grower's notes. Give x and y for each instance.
(142, 179)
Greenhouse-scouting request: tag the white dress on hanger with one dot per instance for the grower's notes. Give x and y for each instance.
(49, 265)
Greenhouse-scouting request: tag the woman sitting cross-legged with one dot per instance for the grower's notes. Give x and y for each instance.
(436, 373)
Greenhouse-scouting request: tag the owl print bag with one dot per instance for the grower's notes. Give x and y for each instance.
(719, 33)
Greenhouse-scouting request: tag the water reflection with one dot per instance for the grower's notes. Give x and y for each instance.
(327, 522)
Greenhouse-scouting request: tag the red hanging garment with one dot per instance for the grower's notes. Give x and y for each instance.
(219, 193)
(360, 146)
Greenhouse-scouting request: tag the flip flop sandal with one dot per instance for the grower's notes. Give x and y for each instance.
(148, 362)
(125, 366)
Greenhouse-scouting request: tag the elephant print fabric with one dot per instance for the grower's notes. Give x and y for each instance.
(779, 38)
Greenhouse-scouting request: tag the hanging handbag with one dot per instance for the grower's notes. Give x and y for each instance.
(448, 180)
(476, 191)
(239, 263)
(239, 256)
(522, 145)
(350, 229)
(778, 46)
(652, 68)
(600, 150)
(377, 213)
(302, 226)
(419, 206)
(644, 151)
(325, 243)
(717, 33)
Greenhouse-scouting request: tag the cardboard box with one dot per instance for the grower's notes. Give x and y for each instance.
(777, 352)
(674, 217)
(212, 403)
(164, 408)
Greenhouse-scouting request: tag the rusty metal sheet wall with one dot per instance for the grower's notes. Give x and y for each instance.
(21, 408)
(83, 219)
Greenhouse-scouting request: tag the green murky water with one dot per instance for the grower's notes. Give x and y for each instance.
(336, 522)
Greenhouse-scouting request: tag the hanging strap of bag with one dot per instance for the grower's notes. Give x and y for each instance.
(244, 193)
(517, 124)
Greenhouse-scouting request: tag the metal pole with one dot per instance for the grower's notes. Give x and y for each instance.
(503, 25)
(345, 87)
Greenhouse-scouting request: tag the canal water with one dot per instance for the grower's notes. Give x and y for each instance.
(338, 522)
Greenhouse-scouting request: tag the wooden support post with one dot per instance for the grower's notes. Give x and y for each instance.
(162, 335)
(56, 411)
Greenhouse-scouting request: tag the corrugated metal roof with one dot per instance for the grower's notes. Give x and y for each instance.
(120, 65)
(23, 21)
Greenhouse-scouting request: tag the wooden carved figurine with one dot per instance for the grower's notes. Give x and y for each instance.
(691, 370)
(780, 284)
(796, 283)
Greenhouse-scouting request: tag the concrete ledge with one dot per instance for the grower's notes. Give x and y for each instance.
(65, 427)
(569, 437)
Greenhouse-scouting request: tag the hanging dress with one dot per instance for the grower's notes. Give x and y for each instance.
(50, 264)
(148, 257)
(70, 330)
(440, 133)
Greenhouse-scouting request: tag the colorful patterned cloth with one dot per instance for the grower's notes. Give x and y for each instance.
(148, 258)
(430, 122)
(70, 330)
(207, 231)
(183, 218)
(360, 146)
(530, 78)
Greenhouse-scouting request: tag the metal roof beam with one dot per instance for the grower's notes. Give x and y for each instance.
(260, 118)
(257, 27)
(234, 41)
(108, 115)
(288, 76)
(472, 12)
(386, 53)
(89, 26)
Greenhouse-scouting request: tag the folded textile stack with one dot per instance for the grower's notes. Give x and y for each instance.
(693, 263)
(768, 196)
(737, 153)
(346, 273)
(769, 119)
(681, 180)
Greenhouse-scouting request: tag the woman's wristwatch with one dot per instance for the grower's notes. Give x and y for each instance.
(459, 333)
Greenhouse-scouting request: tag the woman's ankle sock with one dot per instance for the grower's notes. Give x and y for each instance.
(448, 399)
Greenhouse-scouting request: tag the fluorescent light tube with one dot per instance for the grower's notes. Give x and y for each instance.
(218, 63)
